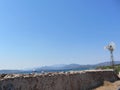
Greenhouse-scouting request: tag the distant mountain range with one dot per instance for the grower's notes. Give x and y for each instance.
(61, 67)
(107, 63)
(65, 67)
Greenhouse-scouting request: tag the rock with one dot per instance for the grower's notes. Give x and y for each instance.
(73, 80)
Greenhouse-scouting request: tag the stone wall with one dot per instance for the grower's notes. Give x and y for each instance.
(81, 80)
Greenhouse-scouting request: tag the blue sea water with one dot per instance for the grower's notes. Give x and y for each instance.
(36, 71)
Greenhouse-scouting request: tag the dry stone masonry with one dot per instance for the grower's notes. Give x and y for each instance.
(74, 80)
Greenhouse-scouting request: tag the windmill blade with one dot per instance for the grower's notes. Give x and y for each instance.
(106, 47)
(113, 45)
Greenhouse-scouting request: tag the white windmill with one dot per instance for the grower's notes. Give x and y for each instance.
(111, 47)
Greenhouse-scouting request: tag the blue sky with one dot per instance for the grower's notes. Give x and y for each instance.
(46, 32)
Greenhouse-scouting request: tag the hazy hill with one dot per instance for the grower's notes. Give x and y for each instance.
(74, 66)
(107, 63)
(61, 67)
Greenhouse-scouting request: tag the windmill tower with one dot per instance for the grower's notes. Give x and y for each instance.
(111, 47)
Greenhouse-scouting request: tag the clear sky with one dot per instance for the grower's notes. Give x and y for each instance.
(36, 33)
